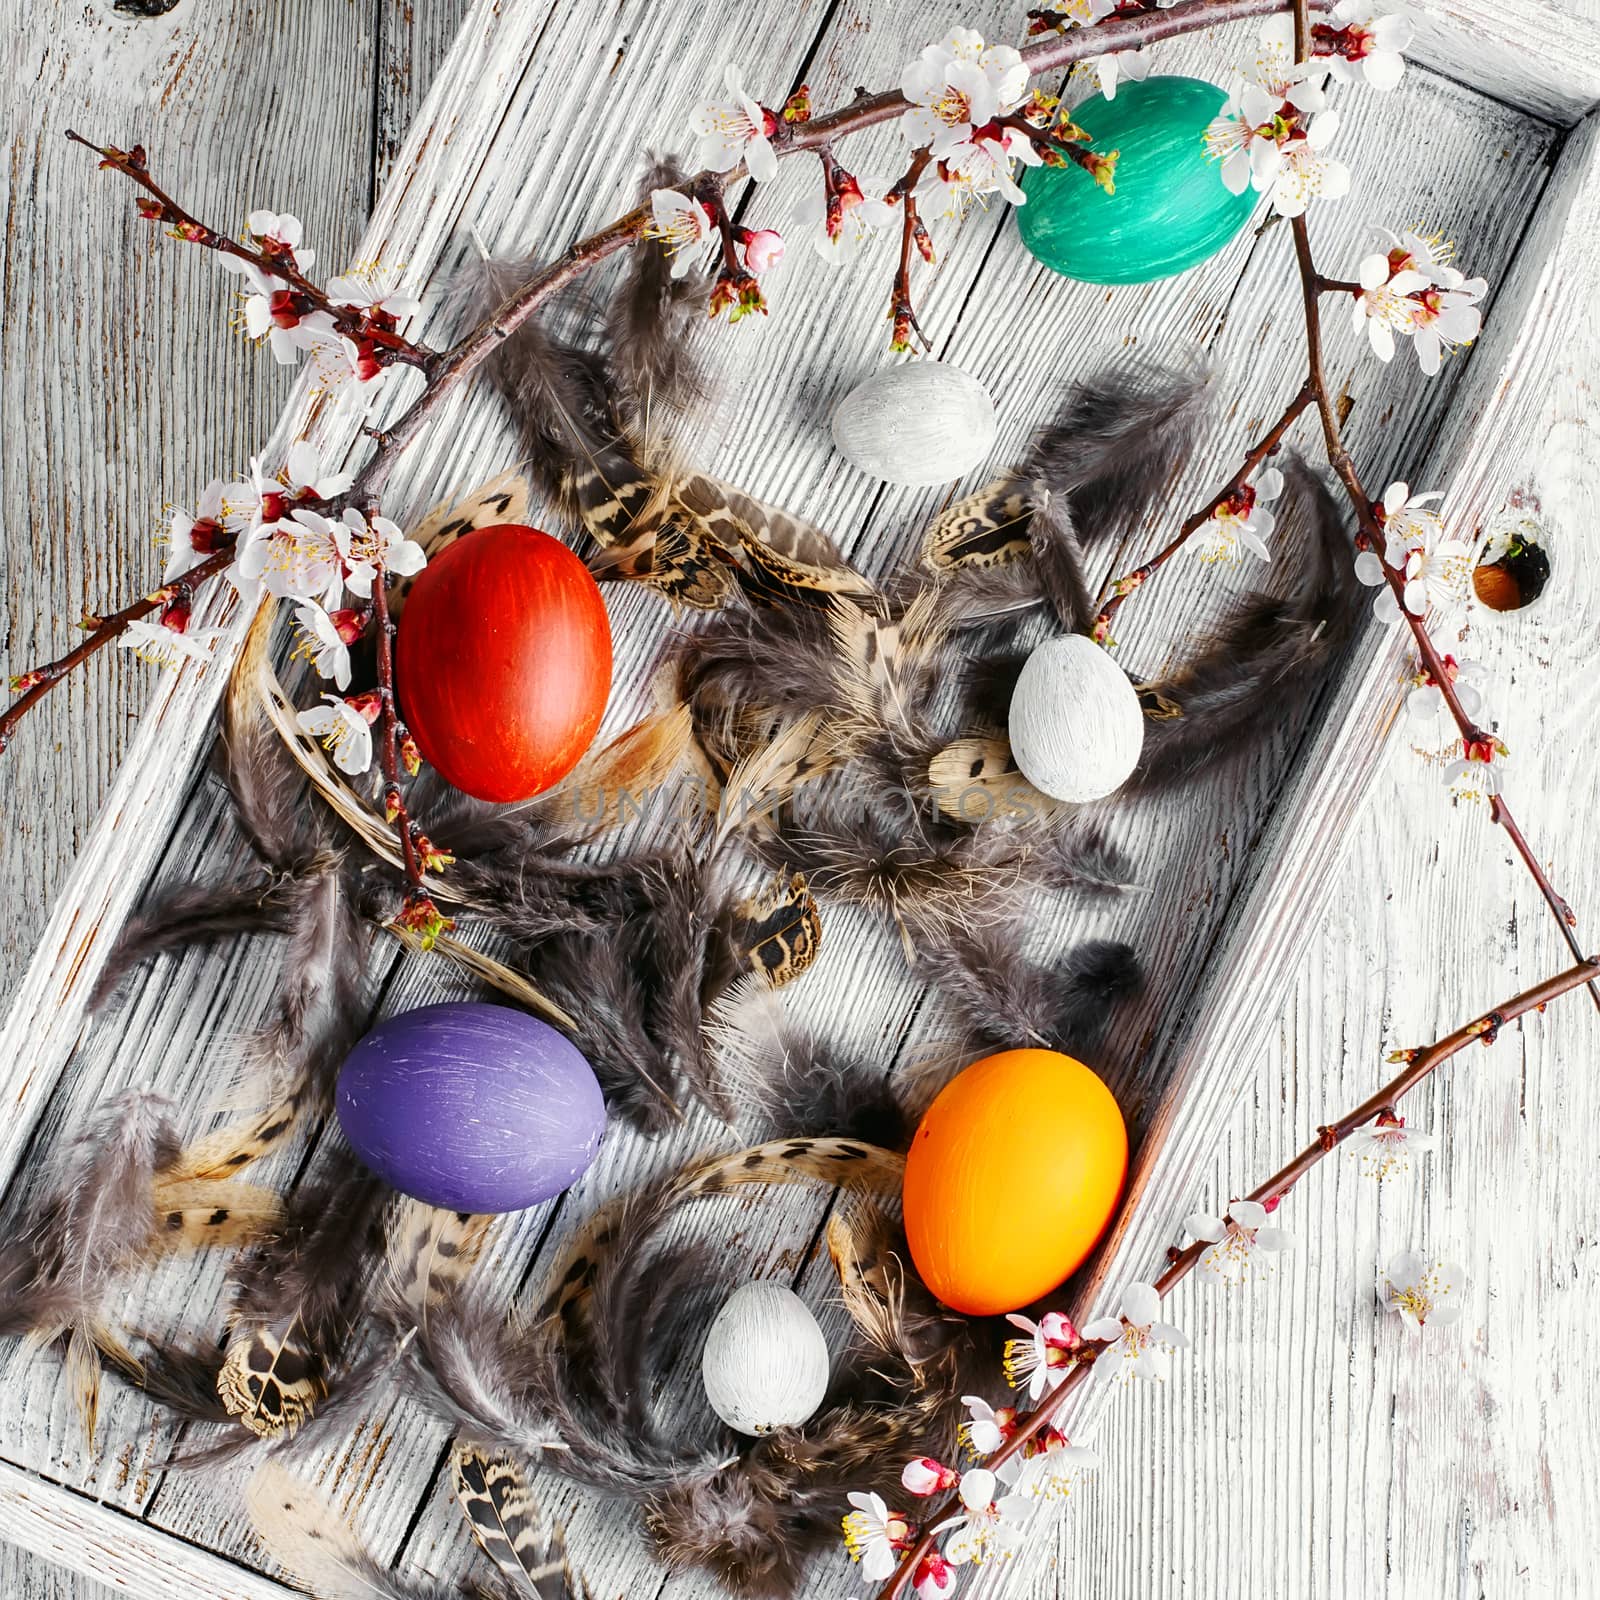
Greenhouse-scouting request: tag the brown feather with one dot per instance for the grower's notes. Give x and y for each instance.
(528, 1548)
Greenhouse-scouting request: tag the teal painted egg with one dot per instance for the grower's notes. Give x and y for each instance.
(1170, 210)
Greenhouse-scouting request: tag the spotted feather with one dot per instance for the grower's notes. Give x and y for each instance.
(782, 930)
(272, 1379)
(513, 1532)
(987, 529)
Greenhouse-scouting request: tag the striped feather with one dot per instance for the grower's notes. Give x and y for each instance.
(506, 1521)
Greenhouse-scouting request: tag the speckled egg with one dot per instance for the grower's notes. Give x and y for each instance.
(471, 1107)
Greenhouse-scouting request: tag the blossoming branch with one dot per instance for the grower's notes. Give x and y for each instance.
(1024, 1460)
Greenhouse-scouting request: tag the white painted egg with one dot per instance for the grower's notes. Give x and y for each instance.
(1076, 727)
(917, 423)
(766, 1363)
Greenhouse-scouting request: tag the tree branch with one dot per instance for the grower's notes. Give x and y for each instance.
(1419, 1066)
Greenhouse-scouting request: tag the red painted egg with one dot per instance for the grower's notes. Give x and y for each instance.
(503, 662)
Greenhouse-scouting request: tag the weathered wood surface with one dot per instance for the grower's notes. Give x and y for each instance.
(1477, 172)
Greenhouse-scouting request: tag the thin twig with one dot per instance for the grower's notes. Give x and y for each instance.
(34, 685)
(161, 207)
(443, 370)
(1131, 582)
(1371, 537)
(913, 234)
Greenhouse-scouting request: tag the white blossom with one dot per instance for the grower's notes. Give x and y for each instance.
(957, 88)
(297, 558)
(1426, 702)
(984, 165)
(1119, 66)
(1041, 1361)
(1474, 774)
(344, 371)
(1366, 44)
(1424, 1290)
(280, 231)
(193, 535)
(681, 224)
(1434, 568)
(1273, 132)
(987, 1427)
(321, 644)
(373, 288)
(1051, 1472)
(268, 312)
(343, 731)
(859, 221)
(166, 647)
(1412, 291)
(1385, 1146)
(991, 1525)
(875, 1536)
(1235, 1238)
(304, 474)
(1242, 523)
(736, 130)
(364, 545)
(1114, 66)
(1138, 1346)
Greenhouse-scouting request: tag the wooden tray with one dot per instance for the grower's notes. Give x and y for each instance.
(531, 134)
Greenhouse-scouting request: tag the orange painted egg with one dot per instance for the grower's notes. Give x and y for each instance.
(503, 662)
(1012, 1177)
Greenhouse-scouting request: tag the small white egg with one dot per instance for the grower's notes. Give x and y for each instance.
(766, 1363)
(1076, 726)
(917, 423)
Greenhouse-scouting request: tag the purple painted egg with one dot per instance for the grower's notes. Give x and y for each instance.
(471, 1107)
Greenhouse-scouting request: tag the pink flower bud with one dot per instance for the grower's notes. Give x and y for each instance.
(763, 250)
(368, 704)
(1058, 1330)
(925, 1476)
(934, 1578)
(349, 624)
(175, 615)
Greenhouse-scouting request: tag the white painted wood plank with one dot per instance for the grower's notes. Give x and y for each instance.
(415, 214)
(1538, 55)
(124, 386)
(117, 1552)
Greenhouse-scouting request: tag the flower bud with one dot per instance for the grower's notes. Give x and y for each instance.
(925, 1476)
(175, 614)
(1058, 1330)
(934, 1578)
(366, 704)
(763, 250)
(348, 623)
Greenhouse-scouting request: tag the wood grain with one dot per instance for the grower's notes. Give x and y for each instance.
(1474, 167)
